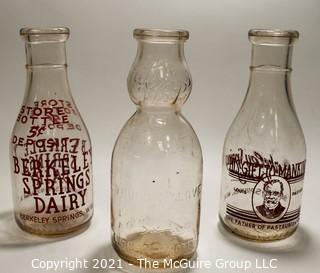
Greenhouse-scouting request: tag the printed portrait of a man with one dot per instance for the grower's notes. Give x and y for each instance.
(272, 194)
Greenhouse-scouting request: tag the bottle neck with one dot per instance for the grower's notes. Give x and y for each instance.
(46, 69)
(159, 76)
(270, 73)
(271, 57)
(46, 54)
(150, 52)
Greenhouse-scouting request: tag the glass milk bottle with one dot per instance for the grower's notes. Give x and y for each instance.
(264, 153)
(157, 159)
(50, 149)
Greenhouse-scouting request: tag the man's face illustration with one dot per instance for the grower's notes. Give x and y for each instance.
(272, 195)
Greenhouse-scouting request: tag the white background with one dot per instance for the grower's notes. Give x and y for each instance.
(100, 52)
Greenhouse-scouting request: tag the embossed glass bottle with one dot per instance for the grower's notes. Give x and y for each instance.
(50, 149)
(264, 151)
(157, 159)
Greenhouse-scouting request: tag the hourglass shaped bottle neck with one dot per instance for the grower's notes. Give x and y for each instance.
(159, 77)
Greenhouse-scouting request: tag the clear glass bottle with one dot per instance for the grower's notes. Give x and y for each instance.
(157, 159)
(264, 152)
(50, 149)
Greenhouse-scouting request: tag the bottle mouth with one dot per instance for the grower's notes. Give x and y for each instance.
(161, 34)
(50, 34)
(272, 36)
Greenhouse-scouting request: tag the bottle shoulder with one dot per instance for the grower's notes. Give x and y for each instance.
(49, 119)
(268, 127)
(157, 121)
(147, 130)
(266, 118)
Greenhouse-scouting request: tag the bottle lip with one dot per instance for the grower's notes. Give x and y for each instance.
(49, 30)
(165, 34)
(273, 33)
(48, 34)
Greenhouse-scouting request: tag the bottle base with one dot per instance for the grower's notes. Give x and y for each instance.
(254, 235)
(145, 249)
(54, 229)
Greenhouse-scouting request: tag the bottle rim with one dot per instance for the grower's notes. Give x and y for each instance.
(273, 33)
(34, 35)
(39, 31)
(154, 33)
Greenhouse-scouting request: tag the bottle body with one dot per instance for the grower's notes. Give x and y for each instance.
(248, 206)
(156, 171)
(156, 185)
(50, 151)
(264, 154)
